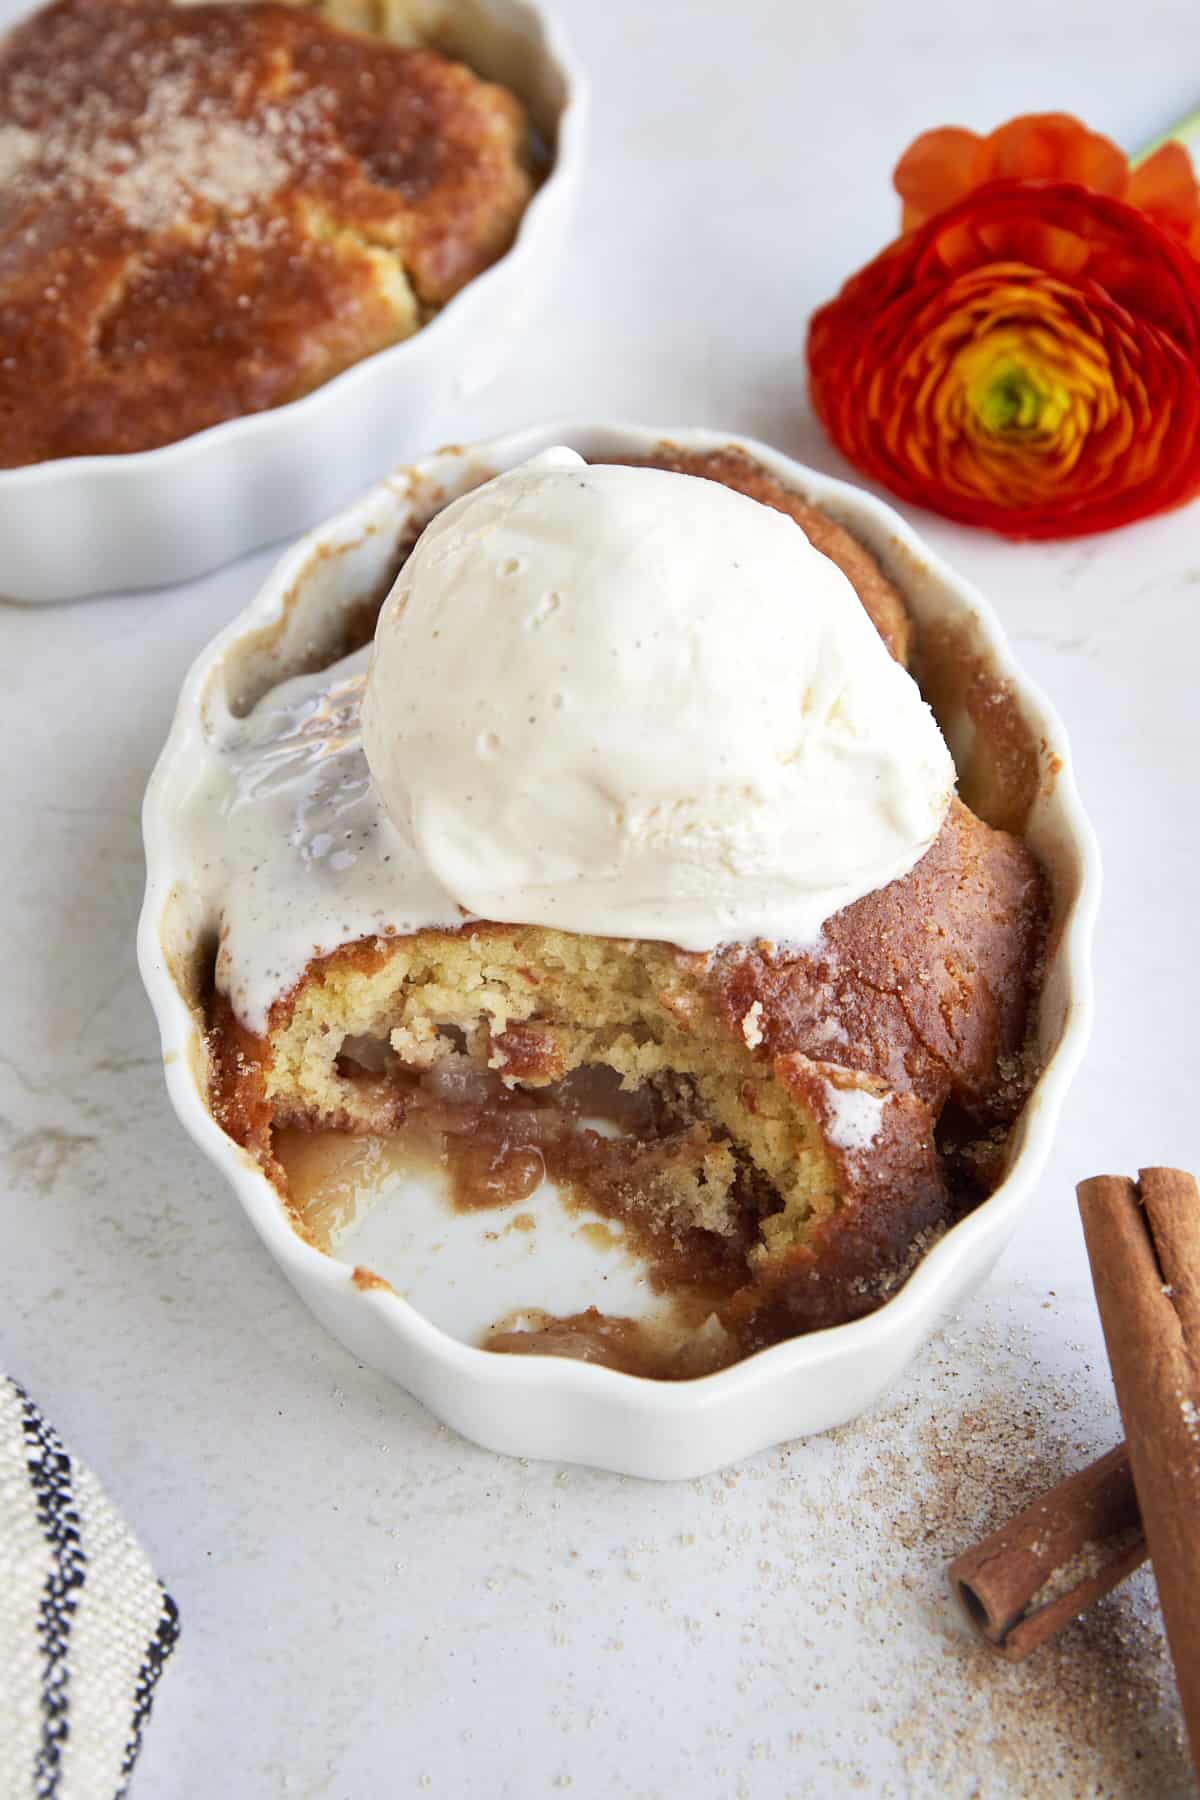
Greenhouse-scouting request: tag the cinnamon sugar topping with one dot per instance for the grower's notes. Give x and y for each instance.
(181, 142)
(209, 210)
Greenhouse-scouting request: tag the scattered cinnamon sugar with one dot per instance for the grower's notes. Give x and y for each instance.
(789, 1618)
(980, 1430)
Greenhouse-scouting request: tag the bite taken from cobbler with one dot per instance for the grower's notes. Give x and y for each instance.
(629, 855)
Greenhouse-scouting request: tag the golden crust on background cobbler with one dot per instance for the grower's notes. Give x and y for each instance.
(208, 210)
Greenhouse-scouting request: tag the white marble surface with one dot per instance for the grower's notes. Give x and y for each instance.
(370, 1606)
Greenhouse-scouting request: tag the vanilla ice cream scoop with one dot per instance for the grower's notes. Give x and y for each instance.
(638, 704)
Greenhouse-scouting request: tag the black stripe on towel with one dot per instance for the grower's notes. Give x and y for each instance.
(157, 1652)
(49, 1469)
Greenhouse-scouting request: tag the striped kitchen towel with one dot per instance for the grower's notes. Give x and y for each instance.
(85, 1626)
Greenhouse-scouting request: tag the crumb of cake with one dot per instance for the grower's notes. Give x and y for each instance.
(367, 1281)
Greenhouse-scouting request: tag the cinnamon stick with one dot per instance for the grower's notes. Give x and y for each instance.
(1057, 1557)
(1144, 1246)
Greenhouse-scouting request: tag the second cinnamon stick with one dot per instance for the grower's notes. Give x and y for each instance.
(1057, 1557)
(1144, 1248)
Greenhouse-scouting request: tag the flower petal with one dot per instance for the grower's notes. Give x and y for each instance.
(937, 169)
(1056, 147)
(1165, 186)
(941, 167)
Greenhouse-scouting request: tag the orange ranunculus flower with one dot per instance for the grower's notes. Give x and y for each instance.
(1027, 355)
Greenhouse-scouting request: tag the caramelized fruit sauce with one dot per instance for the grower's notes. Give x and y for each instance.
(493, 1147)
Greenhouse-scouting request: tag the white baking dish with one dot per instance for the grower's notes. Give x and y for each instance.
(542, 1406)
(94, 524)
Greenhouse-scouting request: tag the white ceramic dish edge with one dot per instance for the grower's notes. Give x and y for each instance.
(89, 525)
(571, 1411)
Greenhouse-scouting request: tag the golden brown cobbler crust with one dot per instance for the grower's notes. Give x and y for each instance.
(208, 210)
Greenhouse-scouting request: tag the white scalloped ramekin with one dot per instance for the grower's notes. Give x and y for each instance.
(549, 1406)
(86, 525)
